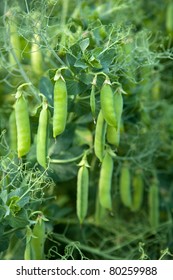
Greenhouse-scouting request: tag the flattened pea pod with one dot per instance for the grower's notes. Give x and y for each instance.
(82, 192)
(41, 149)
(125, 185)
(23, 126)
(107, 104)
(105, 181)
(60, 105)
(99, 140)
(13, 131)
(92, 98)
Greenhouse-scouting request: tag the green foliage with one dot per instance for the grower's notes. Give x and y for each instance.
(128, 43)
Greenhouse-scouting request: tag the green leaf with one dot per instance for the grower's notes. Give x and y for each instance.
(46, 87)
(18, 221)
(4, 243)
(84, 44)
(81, 64)
(4, 196)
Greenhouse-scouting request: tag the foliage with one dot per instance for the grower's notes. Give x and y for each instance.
(128, 44)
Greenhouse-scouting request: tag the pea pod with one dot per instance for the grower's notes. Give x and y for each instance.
(41, 149)
(99, 140)
(92, 98)
(38, 239)
(23, 126)
(15, 51)
(36, 56)
(28, 250)
(113, 135)
(138, 191)
(82, 192)
(60, 105)
(125, 185)
(169, 18)
(13, 131)
(153, 203)
(107, 104)
(118, 105)
(105, 181)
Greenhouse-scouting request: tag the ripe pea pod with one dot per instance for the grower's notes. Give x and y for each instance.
(99, 140)
(36, 53)
(100, 212)
(82, 190)
(38, 239)
(41, 149)
(22, 124)
(153, 203)
(13, 131)
(60, 105)
(105, 181)
(36, 57)
(107, 103)
(169, 18)
(15, 52)
(118, 105)
(138, 191)
(113, 135)
(125, 185)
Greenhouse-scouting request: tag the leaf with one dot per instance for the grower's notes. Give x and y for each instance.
(2, 212)
(4, 196)
(81, 64)
(18, 221)
(4, 243)
(84, 44)
(46, 87)
(107, 57)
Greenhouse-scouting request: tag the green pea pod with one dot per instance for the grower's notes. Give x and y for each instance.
(13, 131)
(113, 135)
(23, 126)
(169, 18)
(118, 105)
(38, 240)
(153, 203)
(36, 57)
(105, 181)
(99, 140)
(41, 150)
(82, 192)
(28, 249)
(92, 101)
(107, 104)
(60, 106)
(100, 212)
(15, 52)
(125, 186)
(138, 191)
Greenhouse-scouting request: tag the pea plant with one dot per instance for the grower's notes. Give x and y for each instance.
(86, 129)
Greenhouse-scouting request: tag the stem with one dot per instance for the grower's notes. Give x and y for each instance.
(91, 250)
(66, 160)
